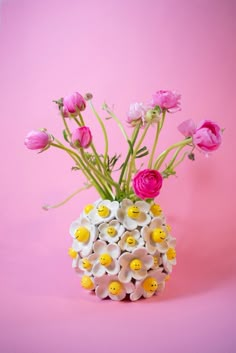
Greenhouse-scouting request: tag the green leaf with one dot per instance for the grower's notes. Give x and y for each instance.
(142, 155)
(141, 150)
(65, 136)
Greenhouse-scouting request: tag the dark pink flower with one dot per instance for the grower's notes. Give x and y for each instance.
(147, 183)
(74, 102)
(37, 140)
(81, 137)
(167, 100)
(206, 136)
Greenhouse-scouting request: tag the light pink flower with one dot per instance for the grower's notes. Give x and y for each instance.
(156, 284)
(147, 183)
(111, 286)
(74, 102)
(167, 100)
(136, 113)
(81, 137)
(37, 140)
(156, 235)
(206, 136)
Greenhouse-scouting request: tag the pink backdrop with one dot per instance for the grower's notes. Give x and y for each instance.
(122, 51)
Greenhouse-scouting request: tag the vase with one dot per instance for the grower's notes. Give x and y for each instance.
(122, 249)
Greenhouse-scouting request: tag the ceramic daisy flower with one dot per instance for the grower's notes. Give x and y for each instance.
(131, 240)
(87, 282)
(152, 284)
(134, 265)
(157, 260)
(75, 257)
(169, 258)
(104, 258)
(132, 215)
(85, 266)
(156, 211)
(156, 236)
(111, 232)
(111, 286)
(84, 234)
(104, 211)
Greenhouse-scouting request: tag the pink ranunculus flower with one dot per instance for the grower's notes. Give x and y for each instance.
(136, 113)
(147, 183)
(167, 100)
(206, 136)
(37, 140)
(81, 137)
(74, 102)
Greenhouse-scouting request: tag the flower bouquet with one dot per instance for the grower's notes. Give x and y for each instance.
(122, 245)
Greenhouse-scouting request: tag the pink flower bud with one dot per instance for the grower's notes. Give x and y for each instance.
(37, 140)
(147, 183)
(167, 100)
(81, 137)
(136, 113)
(207, 136)
(74, 102)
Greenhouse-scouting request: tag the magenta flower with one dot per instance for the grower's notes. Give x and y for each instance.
(167, 100)
(73, 102)
(147, 183)
(81, 137)
(37, 140)
(206, 136)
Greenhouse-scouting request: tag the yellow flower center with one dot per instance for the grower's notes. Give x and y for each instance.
(156, 210)
(135, 265)
(86, 264)
(155, 261)
(150, 285)
(167, 278)
(87, 283)
(131, 240)
(88, 208)
(158, 235)
(111, 231)
(82, 234)
(133, 212)
(105, 260)
(103, 211)
(72, 253)
(168, 227)
(171, 254)
(115, 288)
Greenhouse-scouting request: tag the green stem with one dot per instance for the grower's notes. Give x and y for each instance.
(164, 154)
(158, 129)
(47, 207)
(133, 139)
(119, 123)
(66, 126)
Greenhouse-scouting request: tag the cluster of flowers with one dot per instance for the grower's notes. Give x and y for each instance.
(98, 168)
(122, 248)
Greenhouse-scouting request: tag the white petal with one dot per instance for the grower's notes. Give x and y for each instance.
(148, 261)
(99, 247)
(113, 250)
(98, 270)
(156, 223)
(144, 206)
(125, 275)
(114, 268)
(140, 253)
(120, 296)
(125, 259)
(76, 245)
(129, 287)
(101, 292)
(139, 274)
(126, 203)
(137, 293)
(129, 223)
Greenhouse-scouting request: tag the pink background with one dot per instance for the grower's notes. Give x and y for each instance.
(122, 51)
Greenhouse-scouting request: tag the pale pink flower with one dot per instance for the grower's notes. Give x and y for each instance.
(37, 140)
(81, 137)
(136, 113)
(108, 285)
(167, 100)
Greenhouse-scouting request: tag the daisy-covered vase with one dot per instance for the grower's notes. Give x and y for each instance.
(122, 249)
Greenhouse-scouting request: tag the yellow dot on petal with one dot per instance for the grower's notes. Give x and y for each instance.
(105, 260)
(156, 210)
(136, 265)
(103, 211)
(131, 240)
(82, 234)
(86, 264)
(158, 235)
(155, 261)
(115, 288)
(88, 208)
(171, 254)
(87, 283)
(167, 278)
(150, 285)
(133, 212)
(111, 231)
(72, 253)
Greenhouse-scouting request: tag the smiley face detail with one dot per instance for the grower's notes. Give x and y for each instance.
(86, 264)
(133, 212)
(136, 265)
(82, 234)
(158, 235)
(156, 210)
(87, 283)
(171, 254)
(111, 231)
(105, 260)
(103, 211)
(150, 285)
(115, 288)
(131, 241)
